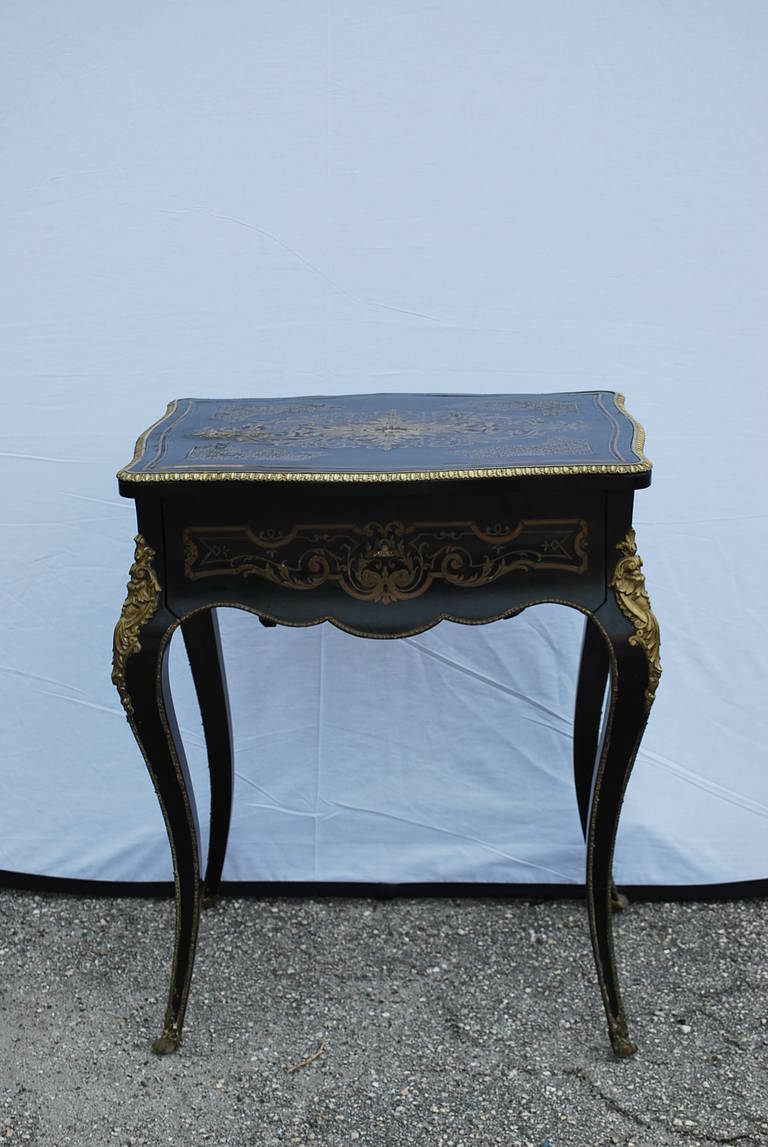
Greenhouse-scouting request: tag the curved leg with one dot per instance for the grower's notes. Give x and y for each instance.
(625, 723)
(632, 632)
(141, 676)
(203, 644)
(590, 694)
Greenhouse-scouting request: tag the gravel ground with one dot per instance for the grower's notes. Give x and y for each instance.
(340, 1021)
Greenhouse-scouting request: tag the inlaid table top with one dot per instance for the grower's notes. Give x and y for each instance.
(391, 437)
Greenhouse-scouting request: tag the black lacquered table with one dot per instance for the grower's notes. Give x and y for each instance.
(385, 514)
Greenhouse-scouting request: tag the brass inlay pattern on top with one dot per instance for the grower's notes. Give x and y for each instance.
(393, 430)
(382, 429)
(384, 562)
(139, 605)
(628, 582)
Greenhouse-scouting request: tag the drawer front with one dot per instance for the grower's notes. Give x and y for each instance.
(383, 564)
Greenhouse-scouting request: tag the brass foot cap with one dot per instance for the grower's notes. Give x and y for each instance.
(619, 902)
(622, 1045)
(166, 1044)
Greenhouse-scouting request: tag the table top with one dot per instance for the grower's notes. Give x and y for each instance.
(390, 437)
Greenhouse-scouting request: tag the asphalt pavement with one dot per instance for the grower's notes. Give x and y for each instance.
(339, 1021)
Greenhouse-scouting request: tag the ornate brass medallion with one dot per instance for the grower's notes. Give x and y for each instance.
(628, 582)
(139, 605)
(384, 562)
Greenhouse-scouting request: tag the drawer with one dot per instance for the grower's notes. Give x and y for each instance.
(331, 556)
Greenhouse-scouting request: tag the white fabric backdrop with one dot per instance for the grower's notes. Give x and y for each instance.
(301, 198)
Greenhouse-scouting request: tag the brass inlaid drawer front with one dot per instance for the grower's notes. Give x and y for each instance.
(385, 562)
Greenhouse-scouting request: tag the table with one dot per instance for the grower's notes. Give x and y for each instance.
(385, 514)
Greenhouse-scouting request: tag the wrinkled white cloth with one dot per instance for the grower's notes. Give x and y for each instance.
(292, 198)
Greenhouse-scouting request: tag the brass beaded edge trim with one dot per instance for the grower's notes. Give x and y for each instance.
(638, 441)
(383, 476)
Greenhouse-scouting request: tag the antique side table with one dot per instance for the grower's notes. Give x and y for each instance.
(384, 514)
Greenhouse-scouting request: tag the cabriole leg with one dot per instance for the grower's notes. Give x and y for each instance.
(632, 633)
(203, 644)
(141, 675)
(590, 694)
